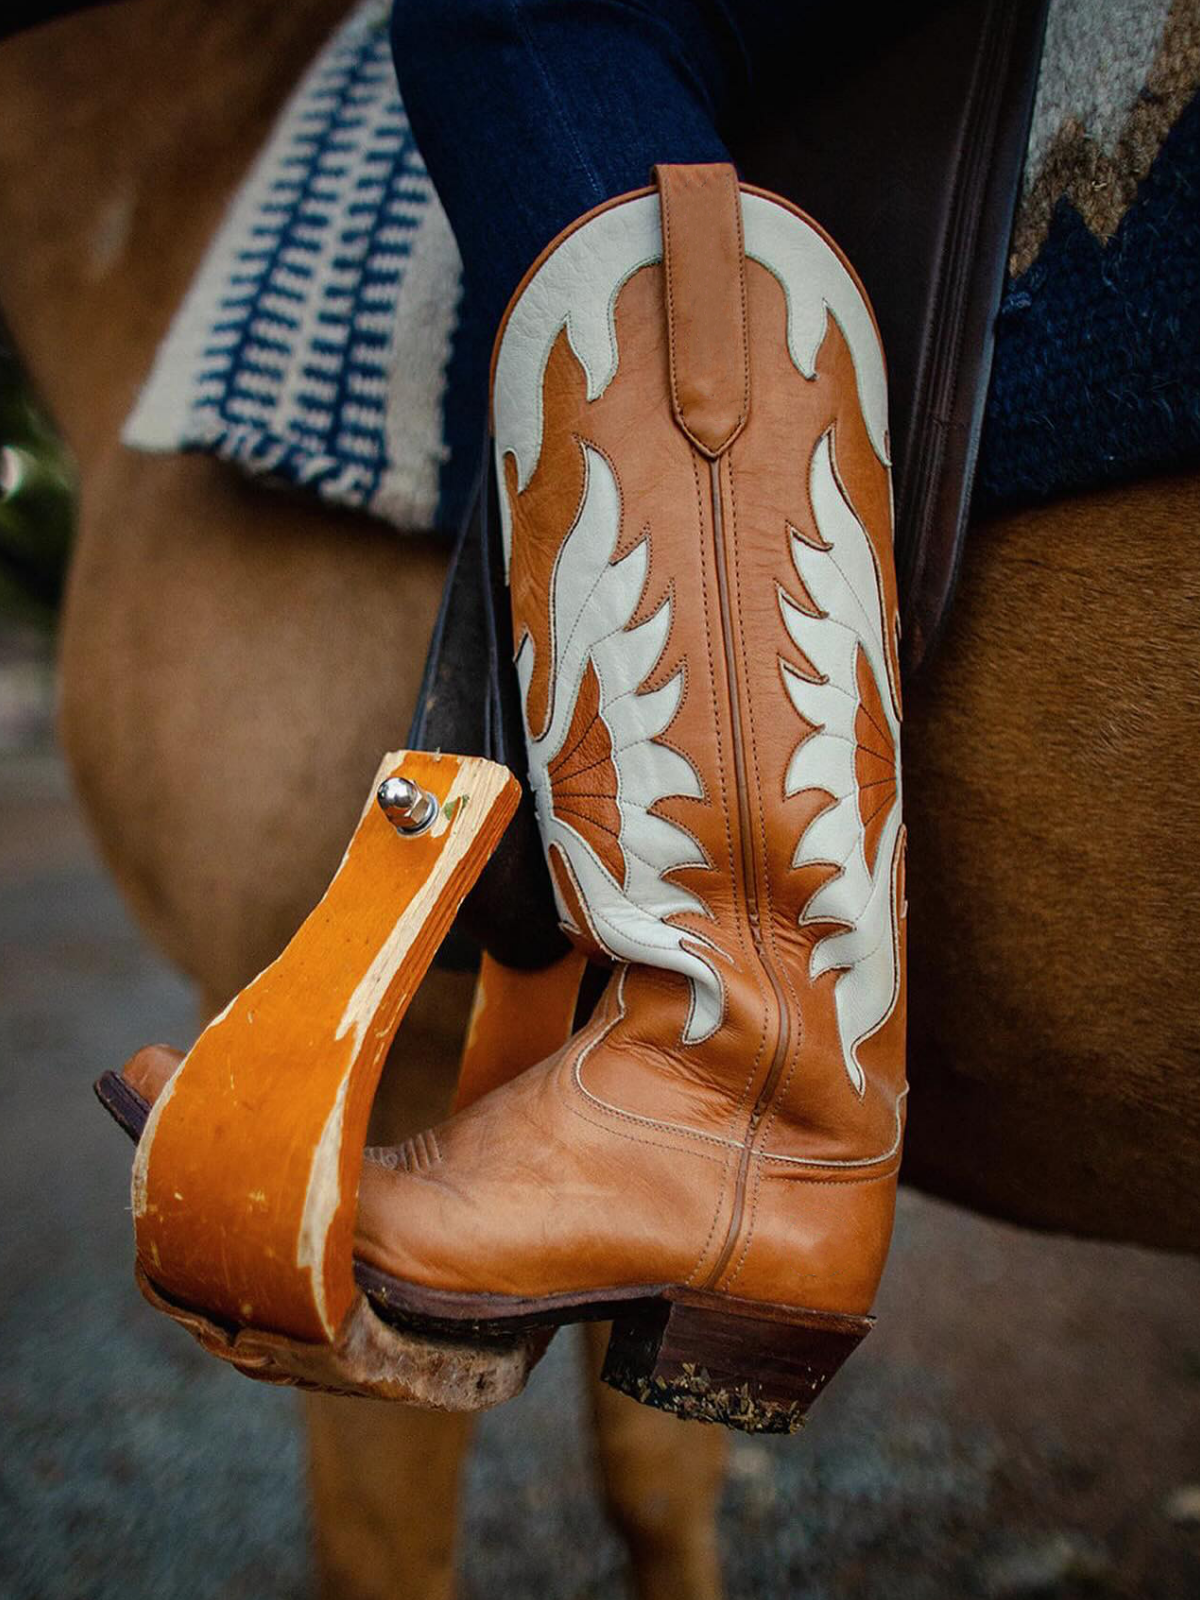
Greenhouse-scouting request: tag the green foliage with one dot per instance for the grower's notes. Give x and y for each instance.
(37, 502)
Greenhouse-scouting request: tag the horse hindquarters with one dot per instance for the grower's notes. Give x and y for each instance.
(232, 664)
(1054, 1015)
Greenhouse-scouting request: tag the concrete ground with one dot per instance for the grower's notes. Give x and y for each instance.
(1025, 1421)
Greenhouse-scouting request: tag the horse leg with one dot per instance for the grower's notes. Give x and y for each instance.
(383, 1482)
(661, 1480)
(384, 1479)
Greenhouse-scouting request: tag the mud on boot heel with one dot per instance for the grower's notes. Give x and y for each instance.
(711, 1358)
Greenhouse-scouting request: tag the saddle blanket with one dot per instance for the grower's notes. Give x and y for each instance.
(317, 342)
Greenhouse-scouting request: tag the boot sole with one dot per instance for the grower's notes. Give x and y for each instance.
(746, 1364)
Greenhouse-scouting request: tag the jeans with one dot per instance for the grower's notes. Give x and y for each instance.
(530, 112)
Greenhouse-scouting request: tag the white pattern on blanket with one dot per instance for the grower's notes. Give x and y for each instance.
(314, 342)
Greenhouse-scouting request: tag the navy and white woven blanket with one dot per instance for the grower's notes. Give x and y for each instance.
(317, 342)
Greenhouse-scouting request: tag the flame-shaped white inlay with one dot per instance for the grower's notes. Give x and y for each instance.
(577, 286)
(843, 582)
(818, 285)
(593, 600)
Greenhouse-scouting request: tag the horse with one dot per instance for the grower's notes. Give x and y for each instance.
(233, 661)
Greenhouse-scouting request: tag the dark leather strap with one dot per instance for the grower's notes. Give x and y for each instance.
(908, 147)
(20, 14)
(469, 704)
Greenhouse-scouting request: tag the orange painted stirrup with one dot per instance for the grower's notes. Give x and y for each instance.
(246, 1177)
(517, 1020)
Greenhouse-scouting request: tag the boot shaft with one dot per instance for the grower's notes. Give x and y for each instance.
(689, 405)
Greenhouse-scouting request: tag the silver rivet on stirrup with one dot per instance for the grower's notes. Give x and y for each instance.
(409, 808)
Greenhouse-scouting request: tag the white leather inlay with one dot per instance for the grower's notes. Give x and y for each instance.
(593, 603)
(576, 287)
(844, 583)
(817, 284)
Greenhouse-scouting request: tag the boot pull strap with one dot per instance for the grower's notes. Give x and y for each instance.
(705, 271)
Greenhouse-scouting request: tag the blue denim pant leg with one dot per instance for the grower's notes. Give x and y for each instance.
(530, 112)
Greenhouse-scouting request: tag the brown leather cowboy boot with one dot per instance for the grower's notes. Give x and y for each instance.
(689, 406)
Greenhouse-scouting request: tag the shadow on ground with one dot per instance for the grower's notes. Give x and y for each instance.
(1025, 1421)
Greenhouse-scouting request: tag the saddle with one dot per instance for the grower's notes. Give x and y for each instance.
(911, 156)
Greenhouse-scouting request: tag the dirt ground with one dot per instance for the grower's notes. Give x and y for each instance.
(1025, 1421)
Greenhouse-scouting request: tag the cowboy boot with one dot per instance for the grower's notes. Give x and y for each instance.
(689, 408)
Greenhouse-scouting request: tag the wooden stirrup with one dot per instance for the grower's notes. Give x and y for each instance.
(517, 1019)
(246, 1177)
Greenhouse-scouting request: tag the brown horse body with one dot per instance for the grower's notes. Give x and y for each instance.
(234, 662)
